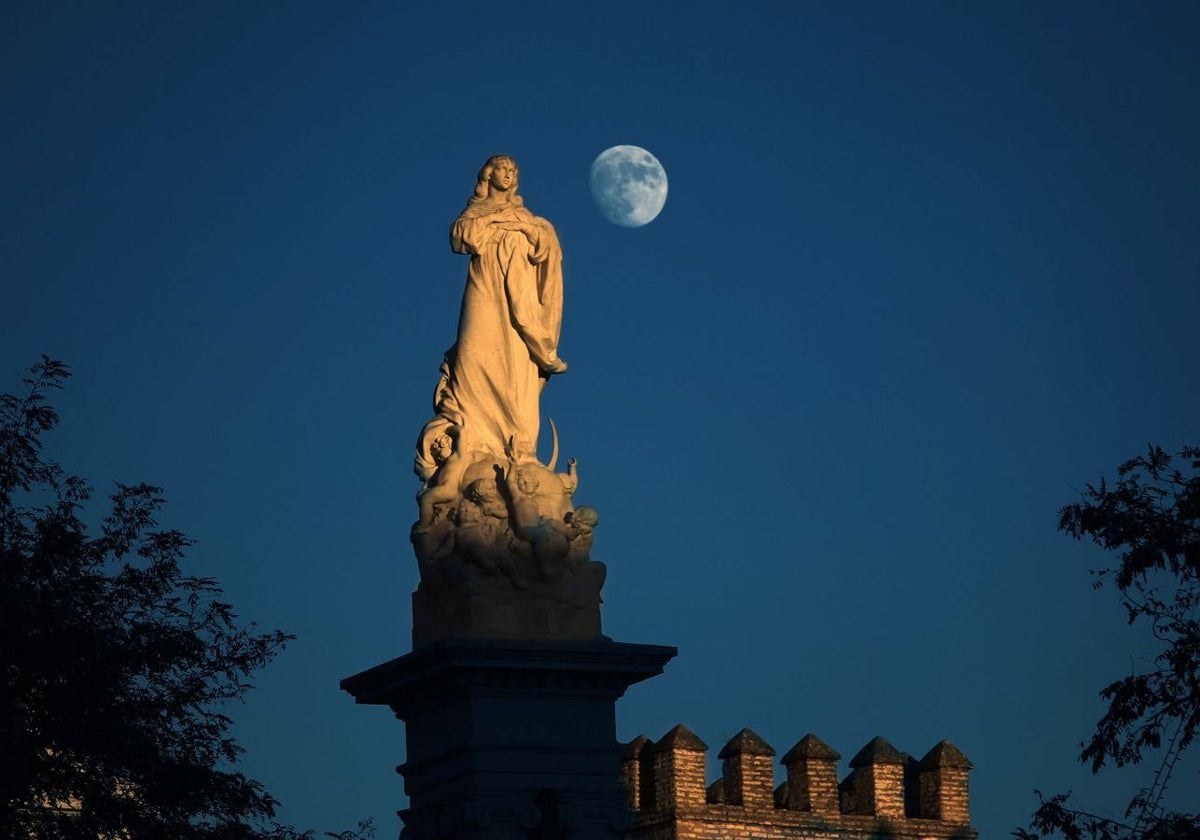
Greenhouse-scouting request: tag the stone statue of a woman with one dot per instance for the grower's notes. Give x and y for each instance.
(503, 552)
(508, 328)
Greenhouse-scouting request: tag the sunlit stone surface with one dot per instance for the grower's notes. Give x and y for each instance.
(503, 551)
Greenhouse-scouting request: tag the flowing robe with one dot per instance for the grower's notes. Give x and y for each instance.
(508, 332)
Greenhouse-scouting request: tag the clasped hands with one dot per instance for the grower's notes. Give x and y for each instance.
(531, 230)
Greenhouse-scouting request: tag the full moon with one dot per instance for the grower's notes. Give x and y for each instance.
(629, 185)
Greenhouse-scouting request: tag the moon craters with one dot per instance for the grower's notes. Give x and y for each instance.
(629, 185)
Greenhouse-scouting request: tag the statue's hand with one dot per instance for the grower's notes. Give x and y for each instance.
(531, 231)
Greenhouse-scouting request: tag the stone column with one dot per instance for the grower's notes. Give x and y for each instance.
(504, 738)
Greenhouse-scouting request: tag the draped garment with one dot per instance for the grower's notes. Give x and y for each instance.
(508, 331)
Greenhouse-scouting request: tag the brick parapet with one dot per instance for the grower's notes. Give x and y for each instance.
(747, 771)
(676, 763)
(944, 792)
(812, 783)
(928, 802)
(632, 778)
(879, 790)
(947, 798)
(731, 822)
(878, 787)
(912, 786)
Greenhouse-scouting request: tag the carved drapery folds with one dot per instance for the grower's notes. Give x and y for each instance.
(502, 549)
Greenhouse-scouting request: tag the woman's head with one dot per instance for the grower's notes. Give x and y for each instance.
(484, 183)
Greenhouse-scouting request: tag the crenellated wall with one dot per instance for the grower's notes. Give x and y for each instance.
(886, 794)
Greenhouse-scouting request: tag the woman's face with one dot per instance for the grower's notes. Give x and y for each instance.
(504, 176)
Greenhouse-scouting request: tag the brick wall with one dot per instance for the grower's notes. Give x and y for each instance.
(886, 792)
(943, 784)
(677, 764)
(812, 783)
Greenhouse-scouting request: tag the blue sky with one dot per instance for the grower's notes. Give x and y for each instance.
(923, 272)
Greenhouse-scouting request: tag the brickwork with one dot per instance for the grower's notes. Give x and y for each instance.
(943, 784)
(886, 793)
(812, 783)
(879, 789)
(747, 771)
(677, 765)
(632, 778)
(879, 780)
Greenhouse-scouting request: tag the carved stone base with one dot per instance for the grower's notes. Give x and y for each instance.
(500, 613)
(508, 739)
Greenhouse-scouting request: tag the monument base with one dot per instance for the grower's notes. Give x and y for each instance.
(512, 614)
(511, 739)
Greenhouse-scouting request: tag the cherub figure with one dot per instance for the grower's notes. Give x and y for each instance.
(481, 536)
(443, 485)
(548, 538)
(581, 523)
(434, 546)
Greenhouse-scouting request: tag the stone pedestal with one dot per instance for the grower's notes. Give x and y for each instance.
(511, 739)
(502, 613)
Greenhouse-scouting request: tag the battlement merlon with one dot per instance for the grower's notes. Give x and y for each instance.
(884, 790)
(812, 783)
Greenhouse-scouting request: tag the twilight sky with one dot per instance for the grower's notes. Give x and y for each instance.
(925, 270)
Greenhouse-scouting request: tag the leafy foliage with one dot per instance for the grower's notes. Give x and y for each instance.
(115, 664)
(1151, 518)
(1055, 816)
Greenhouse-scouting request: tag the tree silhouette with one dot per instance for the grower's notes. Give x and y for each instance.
(115, 664)
(1151, 518)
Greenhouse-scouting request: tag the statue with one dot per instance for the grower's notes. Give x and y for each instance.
(509, 325)
(501, 549)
